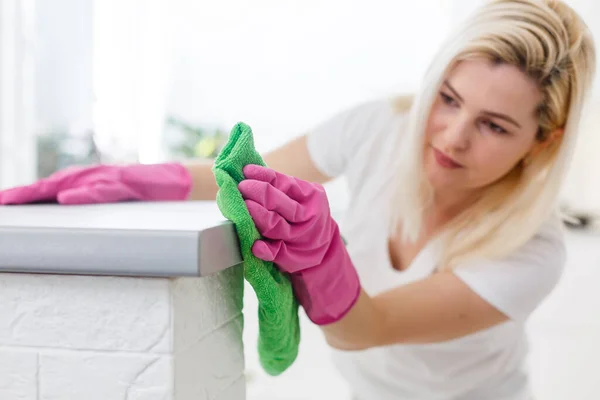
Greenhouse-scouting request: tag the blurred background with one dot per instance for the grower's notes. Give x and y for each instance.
(87, 81)
(84, 81)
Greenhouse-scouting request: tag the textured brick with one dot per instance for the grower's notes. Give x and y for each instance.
(18, 374)
(212, 364)
(234, 392)
(102, 338)
(84, 312)
(202, 305)
(96, 376)
(207, 328)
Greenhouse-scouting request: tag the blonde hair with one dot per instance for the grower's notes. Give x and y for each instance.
(549, 42)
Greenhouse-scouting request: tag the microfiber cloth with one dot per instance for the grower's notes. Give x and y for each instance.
(279, 327)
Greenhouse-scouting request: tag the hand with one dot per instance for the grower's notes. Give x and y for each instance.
(105, 184)
(301, 238)
(292, 214)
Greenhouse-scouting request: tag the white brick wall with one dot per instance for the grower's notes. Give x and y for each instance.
(103, 338)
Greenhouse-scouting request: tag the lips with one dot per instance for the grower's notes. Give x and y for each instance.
(445, 161)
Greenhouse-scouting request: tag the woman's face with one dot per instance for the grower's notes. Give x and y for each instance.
(481, 125)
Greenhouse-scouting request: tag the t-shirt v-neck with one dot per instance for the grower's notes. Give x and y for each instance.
(381, 274)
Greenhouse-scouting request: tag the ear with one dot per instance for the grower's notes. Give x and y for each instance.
(555, 135)
(538, 146)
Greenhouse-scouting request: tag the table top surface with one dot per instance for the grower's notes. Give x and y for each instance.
(170, 216)
(134, 238)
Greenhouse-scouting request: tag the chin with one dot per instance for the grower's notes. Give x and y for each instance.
(442, 185)
(438, 179)
(442, 179)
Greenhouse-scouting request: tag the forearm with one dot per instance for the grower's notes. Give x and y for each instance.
(292, 158)
(364, 326)
(435, 309)
(204, 186)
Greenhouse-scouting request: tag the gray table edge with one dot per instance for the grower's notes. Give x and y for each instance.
(119, 252)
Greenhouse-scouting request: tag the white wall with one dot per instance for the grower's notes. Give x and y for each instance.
(17, 140)
(283, 66)
(279, 66)
(130, 73)
(64, 60)
(105, 338)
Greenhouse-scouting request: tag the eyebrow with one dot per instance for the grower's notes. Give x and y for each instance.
(486, 112)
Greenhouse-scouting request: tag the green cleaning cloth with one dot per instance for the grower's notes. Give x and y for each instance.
(279, 327)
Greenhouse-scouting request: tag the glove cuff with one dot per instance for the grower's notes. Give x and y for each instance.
(328, 291)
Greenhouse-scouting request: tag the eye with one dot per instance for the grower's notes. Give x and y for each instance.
(448, 99)
(496, 128)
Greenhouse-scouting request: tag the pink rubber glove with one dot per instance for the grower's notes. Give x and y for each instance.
(301, 238)
(105, 184)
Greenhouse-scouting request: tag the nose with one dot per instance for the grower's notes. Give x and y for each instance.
(458, 132)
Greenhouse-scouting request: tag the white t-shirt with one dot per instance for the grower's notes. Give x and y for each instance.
(361, 143)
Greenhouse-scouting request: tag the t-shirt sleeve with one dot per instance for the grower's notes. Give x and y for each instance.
(334, 142)
(518, 283)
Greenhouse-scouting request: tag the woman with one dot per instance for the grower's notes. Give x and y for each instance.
(452, 237)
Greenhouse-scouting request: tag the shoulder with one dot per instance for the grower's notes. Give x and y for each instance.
(385, 110)
(402, 104)
(517, 283)
(336, 142)
(547, 248)
(545, 251)
(378, 126)
(363, 116)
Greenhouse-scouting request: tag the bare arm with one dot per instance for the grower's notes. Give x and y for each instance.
(435, 309)
(291, 159)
